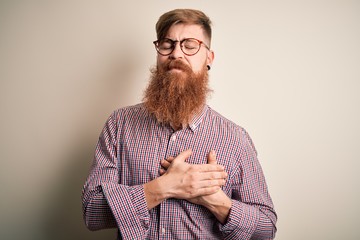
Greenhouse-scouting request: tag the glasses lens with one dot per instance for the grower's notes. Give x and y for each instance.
(165, 46)
(190, 46)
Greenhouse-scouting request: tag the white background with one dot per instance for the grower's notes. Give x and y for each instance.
(287, 71)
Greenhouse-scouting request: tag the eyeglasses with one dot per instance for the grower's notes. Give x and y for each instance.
(189, 46)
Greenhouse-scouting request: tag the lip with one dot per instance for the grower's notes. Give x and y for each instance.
(176, 65)
(176, 69)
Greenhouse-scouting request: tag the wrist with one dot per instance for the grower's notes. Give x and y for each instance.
(155, 192)
(221, 205)
(220, 208)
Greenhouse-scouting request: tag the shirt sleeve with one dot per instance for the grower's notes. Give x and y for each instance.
(106, 203)
(252, 214)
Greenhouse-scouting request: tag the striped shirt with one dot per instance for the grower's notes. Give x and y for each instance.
(128, 155)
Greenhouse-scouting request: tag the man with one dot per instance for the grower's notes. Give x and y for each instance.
(171, 167)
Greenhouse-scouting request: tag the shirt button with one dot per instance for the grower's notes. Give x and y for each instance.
(163, 230)
(173, 138)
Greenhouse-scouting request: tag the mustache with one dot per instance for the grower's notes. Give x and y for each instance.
(178, 64)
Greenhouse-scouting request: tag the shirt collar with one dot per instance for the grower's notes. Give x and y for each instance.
(198, 118)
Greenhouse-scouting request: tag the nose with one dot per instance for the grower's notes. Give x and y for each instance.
(177, 52)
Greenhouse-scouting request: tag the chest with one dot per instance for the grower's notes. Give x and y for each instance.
(140, 150)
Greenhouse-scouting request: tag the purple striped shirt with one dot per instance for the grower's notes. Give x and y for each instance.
(128, 155)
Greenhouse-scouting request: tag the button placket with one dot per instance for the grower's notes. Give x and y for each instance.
(171, 149)
(163, 220)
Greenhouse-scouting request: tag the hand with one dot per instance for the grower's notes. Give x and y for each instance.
(218, 202)
(188, 181)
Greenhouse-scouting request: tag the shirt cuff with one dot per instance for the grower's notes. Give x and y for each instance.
(129, 208)
(137, 196)
(241, 222)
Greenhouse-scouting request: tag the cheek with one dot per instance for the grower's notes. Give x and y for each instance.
(161, 60)
(198, 66)
(198, 62)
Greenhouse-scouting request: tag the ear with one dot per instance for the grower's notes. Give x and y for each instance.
(210, 57)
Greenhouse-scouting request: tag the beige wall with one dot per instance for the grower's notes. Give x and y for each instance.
(287, 71)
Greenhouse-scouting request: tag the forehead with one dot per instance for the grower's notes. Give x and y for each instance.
(180, 31)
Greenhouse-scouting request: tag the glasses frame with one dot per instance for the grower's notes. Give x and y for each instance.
(173, 44)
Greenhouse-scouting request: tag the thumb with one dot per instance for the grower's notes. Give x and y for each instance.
(212, 157)
(183, 156)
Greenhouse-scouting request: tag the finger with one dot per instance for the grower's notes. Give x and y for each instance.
(213, 176)
(183, 156)
(162, 171)
(212, 183)
(170, 159)
(165, 164)
(206, 191)
(212, 157)
(210, 168)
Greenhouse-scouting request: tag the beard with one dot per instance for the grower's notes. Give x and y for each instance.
(175, 97)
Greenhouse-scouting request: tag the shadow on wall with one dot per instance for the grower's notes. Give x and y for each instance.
(63, 217)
